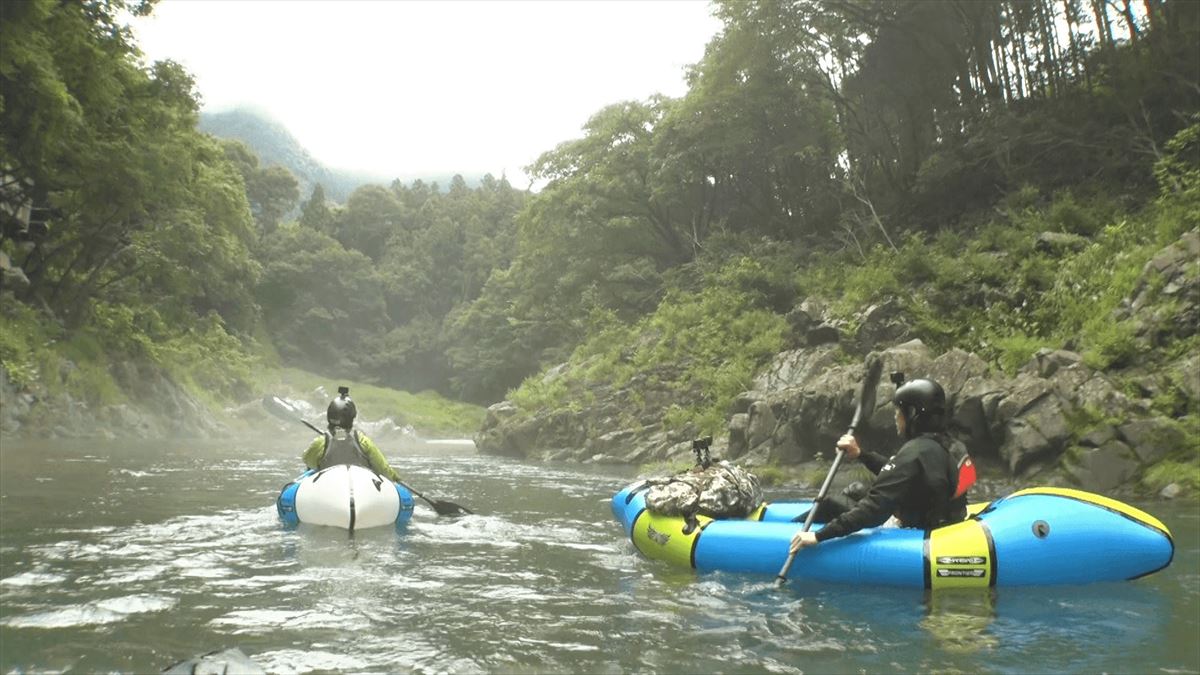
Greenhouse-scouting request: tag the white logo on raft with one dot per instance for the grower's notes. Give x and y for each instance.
(961, 560)
(660, 538)
(961, 573)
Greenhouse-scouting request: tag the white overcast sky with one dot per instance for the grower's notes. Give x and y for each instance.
(407, 88)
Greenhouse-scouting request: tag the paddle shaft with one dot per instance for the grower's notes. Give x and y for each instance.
(866, 399)
(808, 520)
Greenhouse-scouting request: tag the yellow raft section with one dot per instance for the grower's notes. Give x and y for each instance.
(660, 537)
(960, 556)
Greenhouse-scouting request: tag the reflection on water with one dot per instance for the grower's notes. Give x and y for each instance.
(132, 558)
(959, 620)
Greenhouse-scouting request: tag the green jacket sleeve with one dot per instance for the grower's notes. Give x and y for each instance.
(378, 461)
(316, 450)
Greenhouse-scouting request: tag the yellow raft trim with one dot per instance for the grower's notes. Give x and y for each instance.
(662, 538)
(1110, 504)
(960, 556)
(758, 513)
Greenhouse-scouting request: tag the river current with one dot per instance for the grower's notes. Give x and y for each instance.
(129, 558)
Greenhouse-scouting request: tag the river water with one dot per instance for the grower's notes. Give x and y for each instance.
(128, 558)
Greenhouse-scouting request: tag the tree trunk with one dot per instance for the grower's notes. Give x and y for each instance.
(1078, 63)
(1127, 12)
(1103, 26)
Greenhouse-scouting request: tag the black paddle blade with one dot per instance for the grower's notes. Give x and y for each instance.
(445, 508)
(866, 395)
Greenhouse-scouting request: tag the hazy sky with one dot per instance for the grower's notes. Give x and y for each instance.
(418, 88)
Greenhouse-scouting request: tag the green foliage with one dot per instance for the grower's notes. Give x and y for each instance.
(320, 301)
(1178, 175)
(1183, 465)
(1186, 474)
(703, 346)
(770, 476)
(1086, 419)
(1178, 172)
(316, 213)
(1014, 351)
(39, 356)
(24, 331)
(210, 361)
(1111, 345)
(664, 468)
(1068, 216)
(272, 191)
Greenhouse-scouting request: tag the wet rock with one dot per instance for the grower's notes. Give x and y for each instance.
(738, 443)
(1060, 243)
(1102, 469)
(223, 662)
(1047, 362)
(761, 424)
(882, 325)
(11, 277)
(1171, 491)
(1098, 437)
(1152, 439)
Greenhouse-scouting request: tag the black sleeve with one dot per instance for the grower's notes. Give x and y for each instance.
(872, 460)
(895, 477)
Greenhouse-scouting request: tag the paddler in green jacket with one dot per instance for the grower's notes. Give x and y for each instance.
(343, 444)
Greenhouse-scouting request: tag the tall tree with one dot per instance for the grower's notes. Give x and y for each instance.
(316, 214)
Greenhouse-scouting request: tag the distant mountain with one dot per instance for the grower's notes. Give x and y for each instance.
(274, 144)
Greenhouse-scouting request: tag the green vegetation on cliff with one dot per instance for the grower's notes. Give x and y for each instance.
(850, 153)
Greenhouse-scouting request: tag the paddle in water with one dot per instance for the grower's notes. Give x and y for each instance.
(866, 403)
(285, 411)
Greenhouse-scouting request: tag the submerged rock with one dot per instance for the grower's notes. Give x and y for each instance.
(222, 662)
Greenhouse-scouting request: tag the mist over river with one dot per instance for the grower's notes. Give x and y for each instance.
(129, 558)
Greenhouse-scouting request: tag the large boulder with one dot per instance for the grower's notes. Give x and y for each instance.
(1102, 469)
(12, 278)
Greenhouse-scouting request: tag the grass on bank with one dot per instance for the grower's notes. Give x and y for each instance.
(431, 414)
(106, 361)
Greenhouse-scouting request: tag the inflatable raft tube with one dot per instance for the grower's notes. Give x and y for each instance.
(346, 496)
(1038, 536)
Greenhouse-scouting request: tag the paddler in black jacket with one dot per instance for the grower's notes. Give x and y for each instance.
(923, 485)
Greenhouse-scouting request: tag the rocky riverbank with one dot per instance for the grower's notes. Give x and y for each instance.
(1055, 421)
(157, 408)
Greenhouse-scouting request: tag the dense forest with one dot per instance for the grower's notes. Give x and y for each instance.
(818, 138)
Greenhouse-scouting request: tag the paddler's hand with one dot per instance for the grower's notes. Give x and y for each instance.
(803, 539)
(849, 445)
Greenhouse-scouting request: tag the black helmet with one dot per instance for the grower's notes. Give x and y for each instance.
(341, 411)
(923, 403)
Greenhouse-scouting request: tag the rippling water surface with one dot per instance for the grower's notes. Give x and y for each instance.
(130, 558)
